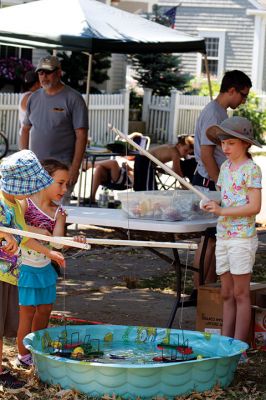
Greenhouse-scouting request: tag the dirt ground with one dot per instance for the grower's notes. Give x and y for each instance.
(94, 287)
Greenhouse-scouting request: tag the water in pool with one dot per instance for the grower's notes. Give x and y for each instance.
(120, 352)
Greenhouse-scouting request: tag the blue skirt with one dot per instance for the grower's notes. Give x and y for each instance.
(36, 286)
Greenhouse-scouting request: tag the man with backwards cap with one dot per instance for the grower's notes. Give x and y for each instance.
(56, 120)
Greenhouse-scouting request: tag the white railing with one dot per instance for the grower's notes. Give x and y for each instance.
(168, 117)
(103, 109)
(9, 122)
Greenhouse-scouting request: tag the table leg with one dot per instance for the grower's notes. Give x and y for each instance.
(80, 185)
(210, 232)
(92, 171)
(176, 263)
(178, 270)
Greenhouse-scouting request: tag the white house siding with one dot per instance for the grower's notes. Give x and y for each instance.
(117, 75)
(37, 54)
(264, 69)
(228, 15)
(134, 6)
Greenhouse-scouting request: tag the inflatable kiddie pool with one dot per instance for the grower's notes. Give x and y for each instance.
(133, 361)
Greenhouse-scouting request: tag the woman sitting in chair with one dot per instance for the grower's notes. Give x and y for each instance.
(145, 169)
(110, 174)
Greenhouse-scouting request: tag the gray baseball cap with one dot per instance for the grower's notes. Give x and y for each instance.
(49, 63)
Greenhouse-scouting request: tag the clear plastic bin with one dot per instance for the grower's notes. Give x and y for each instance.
(169, 205)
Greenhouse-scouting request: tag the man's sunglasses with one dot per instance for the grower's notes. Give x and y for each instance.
(243, 95)
(46, 71)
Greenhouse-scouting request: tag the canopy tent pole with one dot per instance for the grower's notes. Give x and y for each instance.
(87, 101)
(88, 79)
(208, 75)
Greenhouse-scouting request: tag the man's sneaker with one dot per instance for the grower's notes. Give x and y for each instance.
(10, 381)
(24, 361)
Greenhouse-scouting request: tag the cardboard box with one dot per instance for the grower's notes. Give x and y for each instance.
(259, 328)
(210, 307)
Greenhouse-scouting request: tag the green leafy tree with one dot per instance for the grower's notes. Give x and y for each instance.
(159, 72)
(252, 111)
(75, 67)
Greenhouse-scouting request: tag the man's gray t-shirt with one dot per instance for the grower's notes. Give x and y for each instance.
(212, 114)
(53, 120)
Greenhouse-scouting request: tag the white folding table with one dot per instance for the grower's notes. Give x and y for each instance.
(117, 219)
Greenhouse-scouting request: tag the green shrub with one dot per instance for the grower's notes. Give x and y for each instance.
(200, 87)
(135, 100)
(251, 110)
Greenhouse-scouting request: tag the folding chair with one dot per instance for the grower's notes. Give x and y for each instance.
(137, 137)
(144, 142)
(165, 181)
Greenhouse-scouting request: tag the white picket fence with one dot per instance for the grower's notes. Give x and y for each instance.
(165, 117)
(103, 109)
(168, 117)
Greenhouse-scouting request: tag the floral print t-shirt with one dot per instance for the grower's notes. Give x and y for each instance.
(11, 216)
(234, 192)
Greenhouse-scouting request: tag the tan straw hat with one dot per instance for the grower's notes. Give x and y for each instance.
(238, 127)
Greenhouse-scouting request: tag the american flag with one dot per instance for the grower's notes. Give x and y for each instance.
(171, 14)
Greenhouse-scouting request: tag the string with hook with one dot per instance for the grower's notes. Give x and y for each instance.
(182, 298)
(79, 252)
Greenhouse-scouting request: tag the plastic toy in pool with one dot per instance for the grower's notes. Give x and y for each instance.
(133, 361)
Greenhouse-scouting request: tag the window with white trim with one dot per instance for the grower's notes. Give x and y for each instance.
(12, 51)
(215, 46)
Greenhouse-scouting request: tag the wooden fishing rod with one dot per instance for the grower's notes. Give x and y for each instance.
(68, 241)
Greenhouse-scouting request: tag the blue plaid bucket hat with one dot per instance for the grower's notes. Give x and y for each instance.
(22, 174)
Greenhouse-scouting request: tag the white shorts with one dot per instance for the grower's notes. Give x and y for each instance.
(235, 255)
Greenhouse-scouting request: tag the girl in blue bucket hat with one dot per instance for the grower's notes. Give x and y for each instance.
(240, 184)
(21, 176)
(37, 280)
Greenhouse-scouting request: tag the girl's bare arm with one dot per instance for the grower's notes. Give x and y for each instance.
(59, 229)
(251, 208)
(40, 248)
(35, 229)
(176, 164)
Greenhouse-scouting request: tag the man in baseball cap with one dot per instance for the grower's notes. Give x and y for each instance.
(49, 63)
(56, 120)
